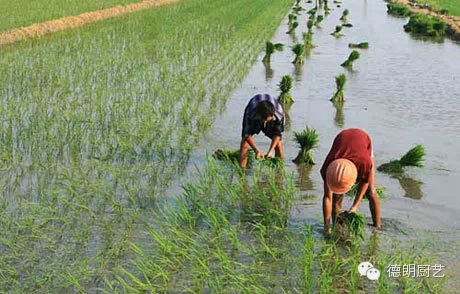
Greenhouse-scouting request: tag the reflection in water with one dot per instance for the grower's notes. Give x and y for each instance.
(287, 116)
(339, 118)
(268, 71)
(303, 180)
(411, 187)
(298, 71)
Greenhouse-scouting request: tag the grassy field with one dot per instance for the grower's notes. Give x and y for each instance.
(453, 6)
(95, 123)
(20, 13)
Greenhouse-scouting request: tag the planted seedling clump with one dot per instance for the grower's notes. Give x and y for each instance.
(337, 31)
(270, 48)
(396, 9)
(413, 157)
(362, 45)
(319, 19)
(285, 87)
(327, 10)
(299, 50)
(349, 62)
(422, 24)
(307, 140)
(292, 27)
(340, 81)
(344, 15)
(347, 25)
(291, 18)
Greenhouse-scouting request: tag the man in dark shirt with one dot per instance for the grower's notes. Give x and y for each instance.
(263, 113)
(350, 160)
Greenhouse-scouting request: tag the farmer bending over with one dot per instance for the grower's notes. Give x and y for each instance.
(263, 113)
(350, 160)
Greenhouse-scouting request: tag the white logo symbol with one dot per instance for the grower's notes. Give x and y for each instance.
(373, 274)
(368, 270)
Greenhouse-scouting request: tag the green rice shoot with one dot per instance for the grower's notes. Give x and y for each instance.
(307, 140)
(285, 87)
(354, 55)
(340, 82)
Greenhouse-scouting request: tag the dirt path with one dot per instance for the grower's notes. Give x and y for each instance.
(453, 22)
(68, 22)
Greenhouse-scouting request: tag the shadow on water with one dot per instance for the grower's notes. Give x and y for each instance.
(268, 71)
(298, 72)
(411, 187)
(339, 118)
(303, 180)
(287, 116)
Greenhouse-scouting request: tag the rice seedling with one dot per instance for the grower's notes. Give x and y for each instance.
(354, 223)
(270, 48)
(307, 140)
(299, 50)
(297, 2)
(362, 45)
(312, 11)
(340, 82)
(337, 31)
(413, 157)
(285, 87)
(291, 18)
(397, 9)
(347, 25)
(421, 24)
(292, 27)
(319, 19)
(337, 2)
(351, 58)
(344, 15)
(297, 9)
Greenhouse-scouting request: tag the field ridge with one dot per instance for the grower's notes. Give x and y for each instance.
(52, 26)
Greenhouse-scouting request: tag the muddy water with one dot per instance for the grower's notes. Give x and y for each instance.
(402, 90)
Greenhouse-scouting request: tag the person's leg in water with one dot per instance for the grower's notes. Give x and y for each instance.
(244, 148)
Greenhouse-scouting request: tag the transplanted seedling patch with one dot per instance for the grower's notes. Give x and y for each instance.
(354, 55)
(285, 87)
(340, 82)
(270, 48)
(362, 45)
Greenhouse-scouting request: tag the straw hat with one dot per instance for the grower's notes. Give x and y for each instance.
(341, 174)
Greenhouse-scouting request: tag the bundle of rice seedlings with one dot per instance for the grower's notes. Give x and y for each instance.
(292, 27)
(310, 24)
(353, 56)
(319, 19)
(312, 11)
(344, 15)
(297, 9)
(354, 221)
(413, 157)
(337, 2)
(347, 25)
(307, 140)
(297, 2)
(233, 156)
(362, 45)
(270, 48)
(299, 51)
(291, 18)
(337, 31)
(340, 81)
(285, 87)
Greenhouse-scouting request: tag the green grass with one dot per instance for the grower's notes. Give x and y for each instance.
(421, 24)
(453, 6)
(20, 13)
(91, 137)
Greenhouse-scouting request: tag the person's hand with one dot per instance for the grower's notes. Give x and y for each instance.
(259, 154)
(352, 209)
(269, 155)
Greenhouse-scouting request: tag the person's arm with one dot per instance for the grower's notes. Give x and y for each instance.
(250, 140)
(362, 188)
(327, 208)
(275, 141)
